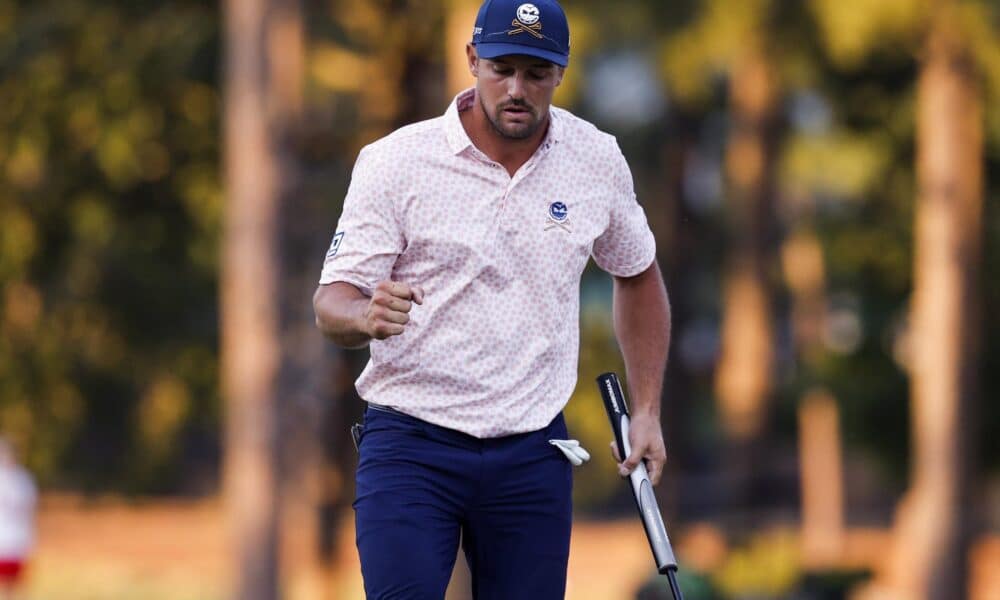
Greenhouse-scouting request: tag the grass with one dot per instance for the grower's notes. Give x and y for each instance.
(174, 550)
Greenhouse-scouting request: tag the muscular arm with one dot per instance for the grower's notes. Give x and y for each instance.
(352, 319)
(339, 310)
(642, 327)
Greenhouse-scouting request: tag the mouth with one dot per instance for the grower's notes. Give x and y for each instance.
(517, 111)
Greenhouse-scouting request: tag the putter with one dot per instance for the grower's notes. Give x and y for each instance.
(642, 487)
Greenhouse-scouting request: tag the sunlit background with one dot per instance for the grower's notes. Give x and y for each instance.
(822, 180)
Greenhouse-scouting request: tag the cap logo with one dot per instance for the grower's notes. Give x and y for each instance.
(528, 14)
(527, 21)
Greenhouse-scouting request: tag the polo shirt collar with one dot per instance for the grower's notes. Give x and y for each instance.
(458, 139)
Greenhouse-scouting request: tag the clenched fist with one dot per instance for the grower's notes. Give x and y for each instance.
(388, 312)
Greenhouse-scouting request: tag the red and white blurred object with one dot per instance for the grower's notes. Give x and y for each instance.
(18, 497)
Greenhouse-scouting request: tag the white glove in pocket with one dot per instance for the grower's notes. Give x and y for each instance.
(573, 451)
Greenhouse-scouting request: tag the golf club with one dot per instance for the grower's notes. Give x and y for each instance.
(642, 487)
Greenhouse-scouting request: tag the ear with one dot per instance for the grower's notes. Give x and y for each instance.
(560, 71)
(473, 57)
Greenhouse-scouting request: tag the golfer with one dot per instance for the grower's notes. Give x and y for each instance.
(458, 258)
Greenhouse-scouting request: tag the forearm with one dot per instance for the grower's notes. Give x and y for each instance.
(340, 309)
(642, 327)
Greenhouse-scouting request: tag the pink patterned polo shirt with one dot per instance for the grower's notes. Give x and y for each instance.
(493, 349)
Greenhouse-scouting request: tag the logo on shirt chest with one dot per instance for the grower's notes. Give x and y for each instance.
(558, 216)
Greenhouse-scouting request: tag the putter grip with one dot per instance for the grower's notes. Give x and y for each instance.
(614, 404)
(642, 487)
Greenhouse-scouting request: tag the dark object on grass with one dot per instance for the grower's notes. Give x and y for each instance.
(830, 585)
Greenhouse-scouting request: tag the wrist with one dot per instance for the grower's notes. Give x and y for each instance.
(646, 414)
(646, 410)
(360, 322)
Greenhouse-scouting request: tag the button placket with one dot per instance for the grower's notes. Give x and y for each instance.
(521, 174)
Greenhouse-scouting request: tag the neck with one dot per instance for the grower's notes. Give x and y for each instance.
(509, 152)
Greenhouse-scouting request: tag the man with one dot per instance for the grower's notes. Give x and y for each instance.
(458, 257)
(17, 520)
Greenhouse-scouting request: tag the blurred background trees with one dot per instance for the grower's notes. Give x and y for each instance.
(818, 176)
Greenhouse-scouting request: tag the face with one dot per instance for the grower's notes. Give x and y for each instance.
(515, 92)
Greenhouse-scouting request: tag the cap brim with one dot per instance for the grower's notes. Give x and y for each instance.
(494, 50)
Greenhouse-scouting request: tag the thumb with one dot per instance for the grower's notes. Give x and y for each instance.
(418, 294)
(614, 451)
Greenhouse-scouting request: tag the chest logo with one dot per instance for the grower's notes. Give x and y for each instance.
(558, 217)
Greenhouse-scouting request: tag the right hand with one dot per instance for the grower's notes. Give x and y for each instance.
(388, 310)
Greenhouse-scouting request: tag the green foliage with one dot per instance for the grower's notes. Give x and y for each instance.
(598, 480)
(838, 164)
(711, 44)
(767, 567)
(110, 206)
(853, 29)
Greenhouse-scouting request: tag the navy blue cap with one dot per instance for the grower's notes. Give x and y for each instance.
(536, 28)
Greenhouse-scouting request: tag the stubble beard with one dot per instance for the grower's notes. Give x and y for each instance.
(520, 133)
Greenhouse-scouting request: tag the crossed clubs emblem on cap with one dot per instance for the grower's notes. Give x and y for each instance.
(527, 21)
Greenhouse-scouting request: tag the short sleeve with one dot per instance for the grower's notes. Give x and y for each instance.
(368, 239)
(627, 246)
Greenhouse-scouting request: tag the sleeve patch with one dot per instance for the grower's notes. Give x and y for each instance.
(335, 245)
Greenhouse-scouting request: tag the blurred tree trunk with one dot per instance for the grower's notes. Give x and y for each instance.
(307, 369)
(743, 379)
(929, 559)
(249, 282)
(821, 472)
(744, 374)
(805, 277)
(822, 481)
(676, 231)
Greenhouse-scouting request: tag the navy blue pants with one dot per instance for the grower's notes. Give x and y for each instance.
(421, 487)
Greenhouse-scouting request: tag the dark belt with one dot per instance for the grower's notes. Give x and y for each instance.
(384, 408)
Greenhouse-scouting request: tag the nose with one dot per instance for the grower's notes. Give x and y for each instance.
(515, 87)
